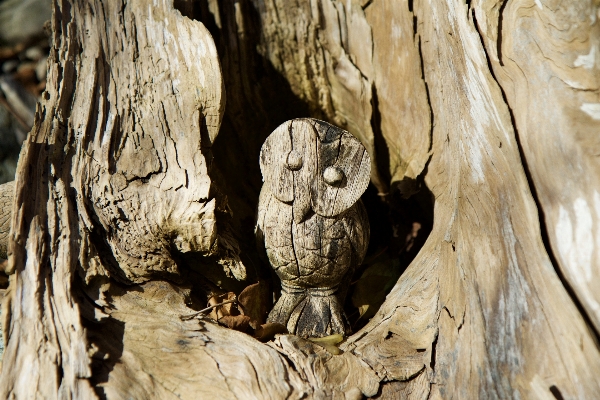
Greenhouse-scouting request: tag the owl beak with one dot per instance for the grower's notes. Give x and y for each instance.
(301, 209)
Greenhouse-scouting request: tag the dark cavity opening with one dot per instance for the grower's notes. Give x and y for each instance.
(260, 98)
(399, 228)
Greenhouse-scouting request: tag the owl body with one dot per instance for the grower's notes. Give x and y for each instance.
(316, 252)
(311, 221)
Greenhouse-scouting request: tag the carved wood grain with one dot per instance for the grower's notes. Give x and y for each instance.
(480, 313)
(314, 241)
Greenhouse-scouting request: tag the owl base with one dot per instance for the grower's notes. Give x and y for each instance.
(310, 312)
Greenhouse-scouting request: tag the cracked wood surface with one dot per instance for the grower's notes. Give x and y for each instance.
(128, 122)
(550, 63)
(6, 202)
(113, 182)
(482, 299)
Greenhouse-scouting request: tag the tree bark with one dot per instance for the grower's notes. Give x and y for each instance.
(124, 196)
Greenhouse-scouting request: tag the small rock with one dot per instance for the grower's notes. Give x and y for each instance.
(41, 69)
(25, 71)
(34, 53)
(26, 76)
(9, 66)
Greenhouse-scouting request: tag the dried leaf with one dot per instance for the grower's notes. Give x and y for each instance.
(237, 322)
(331, 339)
(266, 332)
(222, 310)
(254, 301)
(334, 350)
(329, 343)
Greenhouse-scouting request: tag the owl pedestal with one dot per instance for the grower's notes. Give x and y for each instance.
(312, 223)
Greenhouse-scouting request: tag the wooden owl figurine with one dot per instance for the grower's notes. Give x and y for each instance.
(312, 222)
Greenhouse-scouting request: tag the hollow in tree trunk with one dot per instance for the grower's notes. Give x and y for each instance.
(136, 183)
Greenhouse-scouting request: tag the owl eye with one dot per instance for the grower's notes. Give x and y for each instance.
(333, 175)
(294, 160)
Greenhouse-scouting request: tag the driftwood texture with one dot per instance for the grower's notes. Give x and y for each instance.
(561, 138)
(492, 103)
(6, 202)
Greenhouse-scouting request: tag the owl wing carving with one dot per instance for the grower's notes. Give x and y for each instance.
(315, 260)
(316, 252)
(338, 150)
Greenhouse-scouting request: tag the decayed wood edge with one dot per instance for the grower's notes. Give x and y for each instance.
(443, 316)
(33, 342)
(479, 158)
(53, 254)
(487, 107)
(6, 202)
(559, 141)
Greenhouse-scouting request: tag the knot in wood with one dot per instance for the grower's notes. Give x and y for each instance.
(333, 175)
(294, 160)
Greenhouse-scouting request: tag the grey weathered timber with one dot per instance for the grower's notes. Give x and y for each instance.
(312, 223)
(463, 95)
(111, 195)
(7, 192)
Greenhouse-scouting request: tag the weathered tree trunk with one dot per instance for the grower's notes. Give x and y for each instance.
(124, 194)
(6, 202)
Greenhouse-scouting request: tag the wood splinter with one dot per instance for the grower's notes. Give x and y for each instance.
(312, 222)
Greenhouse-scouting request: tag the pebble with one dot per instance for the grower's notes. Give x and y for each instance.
(34, 53)
(9, 66)
(41, 69)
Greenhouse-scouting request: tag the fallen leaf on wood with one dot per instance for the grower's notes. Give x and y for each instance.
(331, 339)
(225, 306)
(237, 322)
(266, 332)
(329, 343)
(254, 301)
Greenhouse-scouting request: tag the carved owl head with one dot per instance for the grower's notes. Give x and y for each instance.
(314, 166)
